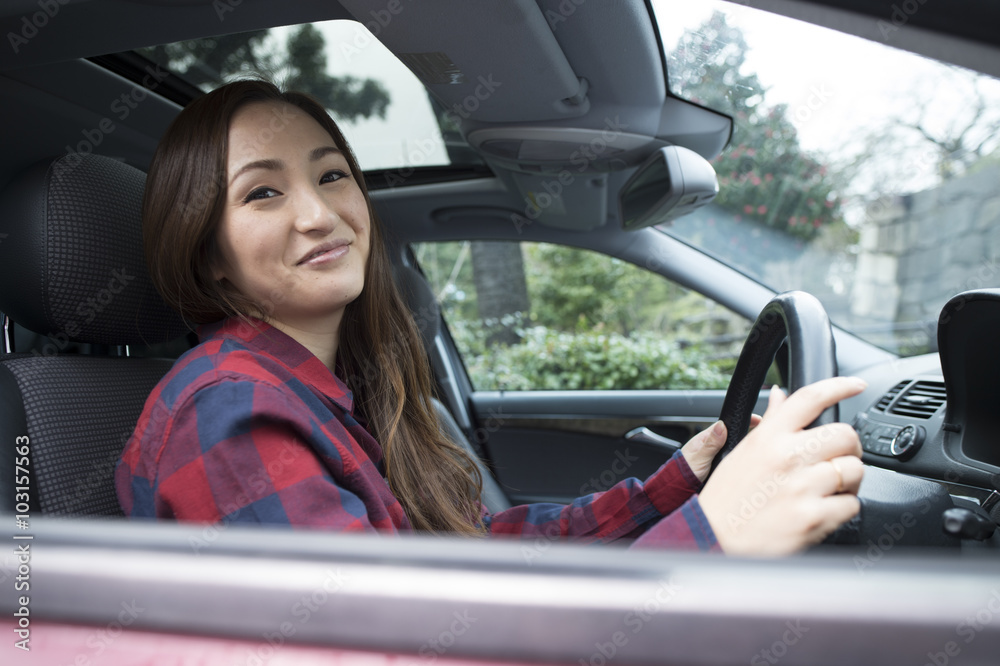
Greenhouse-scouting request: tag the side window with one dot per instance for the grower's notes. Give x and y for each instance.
(535, 316)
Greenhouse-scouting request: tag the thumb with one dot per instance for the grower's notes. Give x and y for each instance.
(701, 449)
(775, 397)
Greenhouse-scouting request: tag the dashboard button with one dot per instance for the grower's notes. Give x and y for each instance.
(907, 441)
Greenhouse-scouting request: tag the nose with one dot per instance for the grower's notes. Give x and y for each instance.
(313, 212)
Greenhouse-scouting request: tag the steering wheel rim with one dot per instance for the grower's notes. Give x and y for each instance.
(799, 318)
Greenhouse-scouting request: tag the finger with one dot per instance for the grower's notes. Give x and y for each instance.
(808, 447)
(830, 477)
(775, 398)
(802, 407)
(852, 472)
(755, 420)
(701, 449)
(709, 440)
(835, 510)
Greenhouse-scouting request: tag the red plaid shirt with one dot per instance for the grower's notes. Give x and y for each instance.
(250, 427)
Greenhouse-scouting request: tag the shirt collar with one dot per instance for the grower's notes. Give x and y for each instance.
(263, 338)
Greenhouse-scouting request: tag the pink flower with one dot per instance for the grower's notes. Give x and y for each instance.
(792, 221)
(754, 179)
(816, 223)
(751, 152)
(762, 210)
(768, 177)
(748, 209)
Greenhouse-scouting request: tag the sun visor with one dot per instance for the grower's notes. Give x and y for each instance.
(486, 61)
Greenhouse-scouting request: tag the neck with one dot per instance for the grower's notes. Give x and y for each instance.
(319, 337)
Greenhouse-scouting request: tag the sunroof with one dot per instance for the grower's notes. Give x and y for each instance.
(383, 109)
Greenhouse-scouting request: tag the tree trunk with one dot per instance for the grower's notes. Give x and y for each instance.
(501, 289)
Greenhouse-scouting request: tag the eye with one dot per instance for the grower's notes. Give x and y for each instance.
(332, 176)
(260, 193)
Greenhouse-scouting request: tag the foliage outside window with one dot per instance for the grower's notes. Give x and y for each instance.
(588, 321)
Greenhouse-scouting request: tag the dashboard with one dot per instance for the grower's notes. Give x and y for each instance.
(937, 416)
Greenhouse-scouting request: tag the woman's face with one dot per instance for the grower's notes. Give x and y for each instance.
(294, 234)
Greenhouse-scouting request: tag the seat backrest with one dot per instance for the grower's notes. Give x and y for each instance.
(71, 268)
(419, 297)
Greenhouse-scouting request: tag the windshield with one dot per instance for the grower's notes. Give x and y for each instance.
(380, 105)
(858, 172)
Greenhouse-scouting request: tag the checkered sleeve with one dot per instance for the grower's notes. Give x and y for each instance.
(663, 511)
(240, 450)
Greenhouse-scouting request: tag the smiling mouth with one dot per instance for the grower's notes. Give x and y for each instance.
(326, 251)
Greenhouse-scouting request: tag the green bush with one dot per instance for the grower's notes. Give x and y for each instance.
(547, 359)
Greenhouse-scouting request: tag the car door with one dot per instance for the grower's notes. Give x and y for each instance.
(579, 369)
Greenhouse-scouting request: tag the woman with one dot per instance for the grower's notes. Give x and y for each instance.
(306, 402)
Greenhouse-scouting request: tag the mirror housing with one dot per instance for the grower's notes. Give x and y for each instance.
(673, 182)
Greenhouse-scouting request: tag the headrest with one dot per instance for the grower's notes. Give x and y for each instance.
(419, 297)
(71, 261)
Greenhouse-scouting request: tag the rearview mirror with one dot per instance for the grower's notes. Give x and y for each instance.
(673, 182)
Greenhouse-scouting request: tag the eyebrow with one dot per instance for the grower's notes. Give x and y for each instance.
(273, 164)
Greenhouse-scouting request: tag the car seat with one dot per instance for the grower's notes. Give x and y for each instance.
(72, 269)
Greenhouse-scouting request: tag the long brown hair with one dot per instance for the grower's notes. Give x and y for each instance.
(379, 353)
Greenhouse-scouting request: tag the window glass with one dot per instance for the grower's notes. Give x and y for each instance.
(381, 106)
(535, 316)
(861, 173)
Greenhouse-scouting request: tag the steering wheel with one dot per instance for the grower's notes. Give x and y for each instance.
(800, 319)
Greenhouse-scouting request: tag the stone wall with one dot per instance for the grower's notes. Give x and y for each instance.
(919, 250)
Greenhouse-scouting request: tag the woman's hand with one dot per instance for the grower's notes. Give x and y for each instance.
(784, 488)
(701, 449)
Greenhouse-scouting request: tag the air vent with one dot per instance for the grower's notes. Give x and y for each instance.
(887, 398)
(921, 400)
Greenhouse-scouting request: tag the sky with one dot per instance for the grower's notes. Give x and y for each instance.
(837, 87)
(409, 135)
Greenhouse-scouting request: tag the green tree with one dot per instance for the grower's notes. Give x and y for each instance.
(764, 174)
(301, 65)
